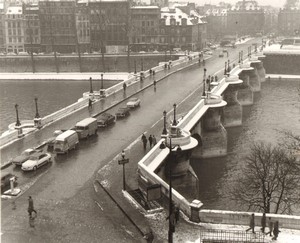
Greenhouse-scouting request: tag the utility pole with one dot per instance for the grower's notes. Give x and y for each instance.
(128, 28)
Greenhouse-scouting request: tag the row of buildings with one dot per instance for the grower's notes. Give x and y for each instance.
(248, 18)
(98, 26)
(67, 26)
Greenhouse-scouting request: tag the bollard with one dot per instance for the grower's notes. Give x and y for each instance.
(195, 208)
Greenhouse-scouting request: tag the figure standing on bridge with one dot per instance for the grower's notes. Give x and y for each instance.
(153, 140)
(276, 230)
(263, 222)
(251, 224)
(150, 141)
(30, 207)
(90, 104)
(144, 140)
(270, 225)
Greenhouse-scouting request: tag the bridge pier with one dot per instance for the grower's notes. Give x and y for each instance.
(254, 78)
(232, 112)
(245, 93)
(213, 134)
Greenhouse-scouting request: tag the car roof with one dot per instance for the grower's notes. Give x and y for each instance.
(38, 153)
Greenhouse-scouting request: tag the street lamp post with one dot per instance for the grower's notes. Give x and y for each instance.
(37, 115)
(123, 161)
(91, 86)
(101, 80)
(164, 133)
(174, 120)
(134, 66)
(171, 216)
(204, 79)
(225, 69)
(142, 65)
(18, 123)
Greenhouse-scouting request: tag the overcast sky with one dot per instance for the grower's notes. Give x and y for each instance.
(275, 3)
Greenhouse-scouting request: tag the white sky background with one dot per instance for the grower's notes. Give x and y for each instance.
(274, 3)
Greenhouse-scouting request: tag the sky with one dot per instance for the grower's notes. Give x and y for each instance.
(274, 3)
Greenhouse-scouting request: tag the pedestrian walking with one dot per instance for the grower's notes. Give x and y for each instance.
(153, 73)
(216, 78)
(153, 140)
(124, 86)
(276, 230)
(144, 140)
(90, 104)
(150, 141)
(177, 212)
(31, 207)
(270, 225)
(251, 223)
(263, 222)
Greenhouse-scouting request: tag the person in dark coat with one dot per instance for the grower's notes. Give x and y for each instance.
(263, 222)
(149, 236)
(276, 230)
(31, 207)
(144, 140)
(251, 223)
(177, 213)
(154, 140)
(270, 225)
(150, 141)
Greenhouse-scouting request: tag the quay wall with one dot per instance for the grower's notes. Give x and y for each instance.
(113, 63)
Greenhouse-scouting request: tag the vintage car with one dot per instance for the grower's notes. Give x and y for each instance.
(133, 102)
(36, 160)
(20, 159)
(105, 119)
(122, 112)
(221, 54)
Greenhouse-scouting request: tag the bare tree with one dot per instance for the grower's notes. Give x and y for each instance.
(269, 181)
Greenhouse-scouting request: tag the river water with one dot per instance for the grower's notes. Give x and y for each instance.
(52, 96)
(276, 108)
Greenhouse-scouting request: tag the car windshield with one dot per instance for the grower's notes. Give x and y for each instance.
(34, 157)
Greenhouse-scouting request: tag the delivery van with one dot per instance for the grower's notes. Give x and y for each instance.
(86, 127)
(66, 141)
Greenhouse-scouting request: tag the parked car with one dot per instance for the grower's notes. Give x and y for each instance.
(133, 102)
(122, 112)
(5, 180)
(20, 159)
(36, 160)
(221, 54)
(105, 119)
(208, 52)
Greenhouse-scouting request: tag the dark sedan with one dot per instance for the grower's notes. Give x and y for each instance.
(105, 119)
(122, 112)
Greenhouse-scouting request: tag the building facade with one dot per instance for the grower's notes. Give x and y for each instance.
(83, 27)
(179, 30)
(57, 24)
(15, 29)
(144, 28)
(289, 21)
(245, 18)
(2, 28)
(32, 41)
(109, 21)
(216, 18)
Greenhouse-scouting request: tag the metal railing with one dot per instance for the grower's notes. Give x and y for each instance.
(230, 236)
